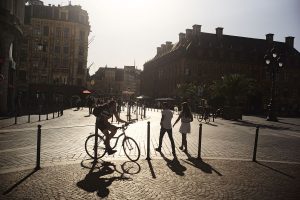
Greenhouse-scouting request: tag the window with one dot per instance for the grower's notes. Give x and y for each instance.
(46, 31)
(58, 32)
(22, 75)
(81, 51)
(63, 15)
(36, 31)
(66, 50)
(45, 46)
(187, 71)
(82, 35)
(66, 32)
(57, 49)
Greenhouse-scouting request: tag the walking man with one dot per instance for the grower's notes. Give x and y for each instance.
(166, 126)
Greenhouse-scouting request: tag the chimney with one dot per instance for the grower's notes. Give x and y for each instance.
(189, 33)
(181, 37)
(196, 29)
(289, 41)
(163, 48)
(219, 32)
(269, 37)
(158, 50)
(168, 45)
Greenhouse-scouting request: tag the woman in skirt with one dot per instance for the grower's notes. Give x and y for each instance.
(185, 127)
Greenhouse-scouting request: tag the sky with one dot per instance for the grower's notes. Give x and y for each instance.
(127, 32)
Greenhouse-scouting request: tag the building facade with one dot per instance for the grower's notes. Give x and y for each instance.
(202, 58)
(11, 20)
(54, 48)
(116, 81)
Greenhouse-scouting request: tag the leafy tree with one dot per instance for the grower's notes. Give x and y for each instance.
(231, 90)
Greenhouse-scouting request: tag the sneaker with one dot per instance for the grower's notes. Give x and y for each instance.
(158, 149)
(111, 151)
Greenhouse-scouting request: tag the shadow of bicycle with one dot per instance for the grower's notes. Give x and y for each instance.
(102, 174)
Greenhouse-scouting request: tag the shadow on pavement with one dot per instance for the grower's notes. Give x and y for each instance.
(251, 124)
(200, 164)
(276, 170)
(19, 182)
(174, 165)
(94, 180)
(151, 169)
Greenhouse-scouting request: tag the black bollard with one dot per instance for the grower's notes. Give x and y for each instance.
(145, 112)
(148, 141)
(200, 141)
(38, 152)
(16, 118)
(255, 144)
(28, 117)
(96, 144)
(53, 115)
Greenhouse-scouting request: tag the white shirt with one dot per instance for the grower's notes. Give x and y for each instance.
(168, 115)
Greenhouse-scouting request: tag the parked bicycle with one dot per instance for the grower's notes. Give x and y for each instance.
(204, 115)
(130, 146)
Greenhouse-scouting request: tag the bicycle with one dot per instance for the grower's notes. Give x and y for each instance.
(130, 146)
(204, 116)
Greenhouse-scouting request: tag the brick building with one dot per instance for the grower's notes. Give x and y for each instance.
(11, 20)
(201, 58)
(115, 81)
(54, 49)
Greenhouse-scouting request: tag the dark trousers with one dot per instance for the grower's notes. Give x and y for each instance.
(161, 135)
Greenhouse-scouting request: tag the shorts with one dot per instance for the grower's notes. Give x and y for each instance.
(104, 125)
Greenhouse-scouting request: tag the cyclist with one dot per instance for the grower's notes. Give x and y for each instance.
(103, 113)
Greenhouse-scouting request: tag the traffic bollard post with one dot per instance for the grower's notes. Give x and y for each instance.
(255, 144)
(200, 141)
(38, 152)
(96, 144)
(148, 141)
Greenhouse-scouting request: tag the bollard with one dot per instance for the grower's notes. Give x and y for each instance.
(47, 115)
(145, 112)
(148, 141)
(200, 141)
(28, 117)
(53, 115)
(255, 144)
(39, 113)
(38, 152)
(96, 143)
(16, 118)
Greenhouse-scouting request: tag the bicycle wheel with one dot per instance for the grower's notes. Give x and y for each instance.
(131, 149)
(90, 146)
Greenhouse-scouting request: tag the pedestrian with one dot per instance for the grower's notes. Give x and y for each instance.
(185, 127)
(166, 126)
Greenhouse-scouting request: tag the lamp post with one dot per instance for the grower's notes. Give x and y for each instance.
(274, 63)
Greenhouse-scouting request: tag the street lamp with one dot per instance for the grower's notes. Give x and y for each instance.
(274, 63)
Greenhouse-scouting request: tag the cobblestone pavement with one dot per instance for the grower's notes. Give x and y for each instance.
(63, 139)
(157, 179)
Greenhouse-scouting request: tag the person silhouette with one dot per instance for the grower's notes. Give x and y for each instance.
(166, 126)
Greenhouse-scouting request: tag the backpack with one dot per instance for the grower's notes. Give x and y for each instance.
(97, 111)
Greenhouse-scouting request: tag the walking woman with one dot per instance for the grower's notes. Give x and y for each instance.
(185, 127)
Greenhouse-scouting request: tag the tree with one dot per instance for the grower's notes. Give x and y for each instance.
(232, 90)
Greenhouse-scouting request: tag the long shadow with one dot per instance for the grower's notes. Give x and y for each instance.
(211, 124)
(19, 182)
(93, 181)
(276, 170)
(200, 164)
(250, 124)
(174, 165)
(151, 169)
